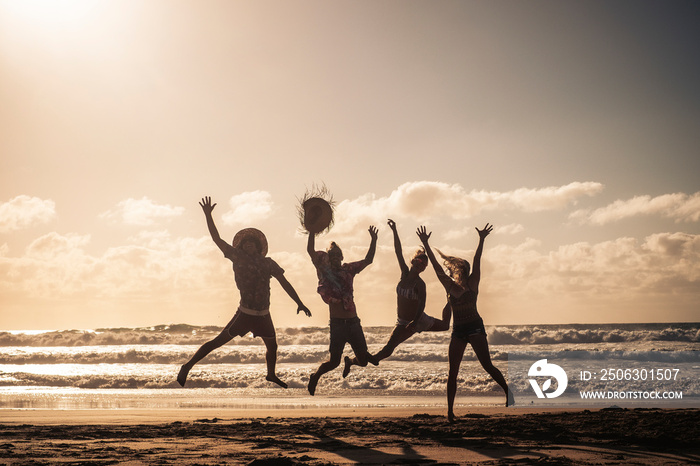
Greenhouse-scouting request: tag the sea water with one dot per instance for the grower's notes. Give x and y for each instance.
(119, 368)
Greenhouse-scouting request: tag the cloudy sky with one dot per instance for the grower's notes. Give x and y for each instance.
(571, 126)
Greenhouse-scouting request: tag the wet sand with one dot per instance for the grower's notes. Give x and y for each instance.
(350, 436)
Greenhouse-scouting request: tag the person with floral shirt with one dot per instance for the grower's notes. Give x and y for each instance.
(335, 285)
(252, 272)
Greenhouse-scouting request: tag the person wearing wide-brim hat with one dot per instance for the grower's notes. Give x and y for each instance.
(252, 272)
(335, 285)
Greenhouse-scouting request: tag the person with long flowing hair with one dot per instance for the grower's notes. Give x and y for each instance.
(462, 286)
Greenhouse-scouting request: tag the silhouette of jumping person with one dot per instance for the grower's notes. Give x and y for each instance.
(462, 289)
(335, 285)
(252, 272)
(410, 304)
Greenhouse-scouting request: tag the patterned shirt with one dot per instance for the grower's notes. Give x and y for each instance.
(336, 285)
(252, 275)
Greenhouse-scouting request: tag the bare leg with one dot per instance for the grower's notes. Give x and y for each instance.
(455, 355)
(203, 350)
(398, 336)
(271, 360)
(327, 366)
(481, 348)
(442, 324)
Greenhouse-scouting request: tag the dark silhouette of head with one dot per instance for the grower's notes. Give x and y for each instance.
(419, 261)
(252, 242)
(457, 268)
(335, 254)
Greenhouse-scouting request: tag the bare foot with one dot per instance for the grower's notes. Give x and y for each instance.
(346, 369)
(313, 381)
(451, 417)
(510, 399)
(182, 376)
(275, 379)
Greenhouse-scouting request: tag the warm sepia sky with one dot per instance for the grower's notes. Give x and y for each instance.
(573, 127)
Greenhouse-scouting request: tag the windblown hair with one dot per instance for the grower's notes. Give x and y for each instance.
(457, 268)
(419, 252)
(422, 256)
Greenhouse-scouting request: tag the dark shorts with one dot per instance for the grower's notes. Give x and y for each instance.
(347, 331)
(468, 329)
(260, 326)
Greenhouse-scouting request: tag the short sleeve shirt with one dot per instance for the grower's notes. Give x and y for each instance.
(336, 285)
(252, 275)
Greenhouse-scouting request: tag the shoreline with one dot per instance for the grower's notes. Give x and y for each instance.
(351, 435)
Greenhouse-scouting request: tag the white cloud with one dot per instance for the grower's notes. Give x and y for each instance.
(248, 208)
(677, 206)
(624, 267)
(424, 200)
(53, 245)
(59, 265)
(142, 212)
(24, 211)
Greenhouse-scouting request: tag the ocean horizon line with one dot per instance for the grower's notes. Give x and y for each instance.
(174, 326)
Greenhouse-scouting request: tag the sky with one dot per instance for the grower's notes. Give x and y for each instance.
(572, 127)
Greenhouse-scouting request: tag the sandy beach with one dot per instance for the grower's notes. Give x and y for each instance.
(350, 436)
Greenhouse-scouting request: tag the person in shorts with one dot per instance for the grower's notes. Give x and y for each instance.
(410, 304)
(335, 285)
(252, 272)
(468, 328)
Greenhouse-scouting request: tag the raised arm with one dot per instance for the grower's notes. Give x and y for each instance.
(446, 281)
(475, 276)
(311, 246)
(286, 286)
(372, 245)
(207, 207)
(397, 247)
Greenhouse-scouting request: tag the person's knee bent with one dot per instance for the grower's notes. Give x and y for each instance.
(361, 360)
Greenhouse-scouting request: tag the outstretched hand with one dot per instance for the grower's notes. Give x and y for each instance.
(305, 309)
(392, 224)
(485, 232)
(423, 235)
(206, 204)
(373, 232)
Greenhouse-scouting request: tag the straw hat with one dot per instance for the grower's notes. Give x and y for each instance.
(315, 210)
(318, 215)
(254, 234)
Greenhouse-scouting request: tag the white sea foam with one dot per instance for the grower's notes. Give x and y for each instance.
(127, 359)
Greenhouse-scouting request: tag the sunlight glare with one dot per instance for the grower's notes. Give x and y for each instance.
(48, 13)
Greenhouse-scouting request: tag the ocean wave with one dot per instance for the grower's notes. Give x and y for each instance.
(392, 378)
(184, 334)
(228, 354)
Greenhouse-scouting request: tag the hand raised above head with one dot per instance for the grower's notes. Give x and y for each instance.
(485, 232)
(373, 232)
(392, 224)
(206, 205)
(423, 235)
